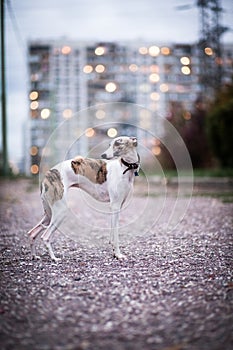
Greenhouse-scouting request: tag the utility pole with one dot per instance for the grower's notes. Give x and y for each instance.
(209, 45)
(3, 93)
(210, 50)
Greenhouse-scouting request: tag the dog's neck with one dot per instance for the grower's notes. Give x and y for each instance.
(131, 163)
(131, 156)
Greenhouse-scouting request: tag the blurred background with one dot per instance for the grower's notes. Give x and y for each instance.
(173, 58)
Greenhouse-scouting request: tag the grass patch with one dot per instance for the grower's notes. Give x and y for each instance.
(169, 173)
(218, 172)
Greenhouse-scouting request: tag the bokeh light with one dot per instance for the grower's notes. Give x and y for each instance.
(185, 60)
(67, 113)
(100, 114)
(156, 150)
(133, 67)
(110, 87)
(154, 51)
(185, 70)
(34, 105)
(164, 88)
(100, 68)
(34, 151)
(45, 113)
(33, 95)
(112, 132)
(165, 50)
(155, 96)
(154, 77)
(90, 132)
(66, 50)
(99, 51)
(34, 169)
(208, 51)
(143, 50)
(87, 69)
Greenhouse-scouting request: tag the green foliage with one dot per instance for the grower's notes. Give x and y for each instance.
(191, 127)
(219, 123)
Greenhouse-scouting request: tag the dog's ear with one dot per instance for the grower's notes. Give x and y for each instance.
(74, 166)
(76, 163)
(135, 141)
(118, 142)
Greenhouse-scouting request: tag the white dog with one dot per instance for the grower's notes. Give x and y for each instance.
(108, 180)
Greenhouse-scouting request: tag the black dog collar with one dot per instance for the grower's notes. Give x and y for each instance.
(131, 166)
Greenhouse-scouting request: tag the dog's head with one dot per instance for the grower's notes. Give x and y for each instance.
(120, 146)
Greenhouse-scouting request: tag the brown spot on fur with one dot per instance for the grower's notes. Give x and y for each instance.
(94, 169)
(53, 186)
(75, 163)
(102, 174)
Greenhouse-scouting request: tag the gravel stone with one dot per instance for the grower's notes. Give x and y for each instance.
(173, 292)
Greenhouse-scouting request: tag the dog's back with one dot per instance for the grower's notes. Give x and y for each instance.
(93, 169)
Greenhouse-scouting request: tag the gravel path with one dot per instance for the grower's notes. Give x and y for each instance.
(174, 291)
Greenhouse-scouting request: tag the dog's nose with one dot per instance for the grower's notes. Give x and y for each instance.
(104, 155)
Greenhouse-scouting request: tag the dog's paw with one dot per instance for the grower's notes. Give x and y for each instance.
(35, 257)
(120, 256)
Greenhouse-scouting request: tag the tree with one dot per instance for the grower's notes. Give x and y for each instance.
(219, 124)
(191, 127)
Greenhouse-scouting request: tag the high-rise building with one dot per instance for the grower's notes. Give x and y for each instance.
(69, 76)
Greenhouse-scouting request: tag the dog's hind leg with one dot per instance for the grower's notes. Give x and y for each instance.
(49, 233)
(47, 237)
(35, 232)
(58, 213)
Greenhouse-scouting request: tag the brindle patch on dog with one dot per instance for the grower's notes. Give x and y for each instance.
(94, 169)
(53, 186)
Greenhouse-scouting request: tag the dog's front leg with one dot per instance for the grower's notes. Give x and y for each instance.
(114, 235)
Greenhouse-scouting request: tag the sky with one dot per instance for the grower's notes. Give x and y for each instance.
(150, 20)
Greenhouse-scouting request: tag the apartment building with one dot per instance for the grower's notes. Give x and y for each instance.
(67, 77)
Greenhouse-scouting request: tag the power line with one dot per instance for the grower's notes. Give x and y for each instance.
(20, 40)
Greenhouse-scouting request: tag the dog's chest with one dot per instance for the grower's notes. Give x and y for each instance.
(102, 192)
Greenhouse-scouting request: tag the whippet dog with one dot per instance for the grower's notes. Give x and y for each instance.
(109, 179)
